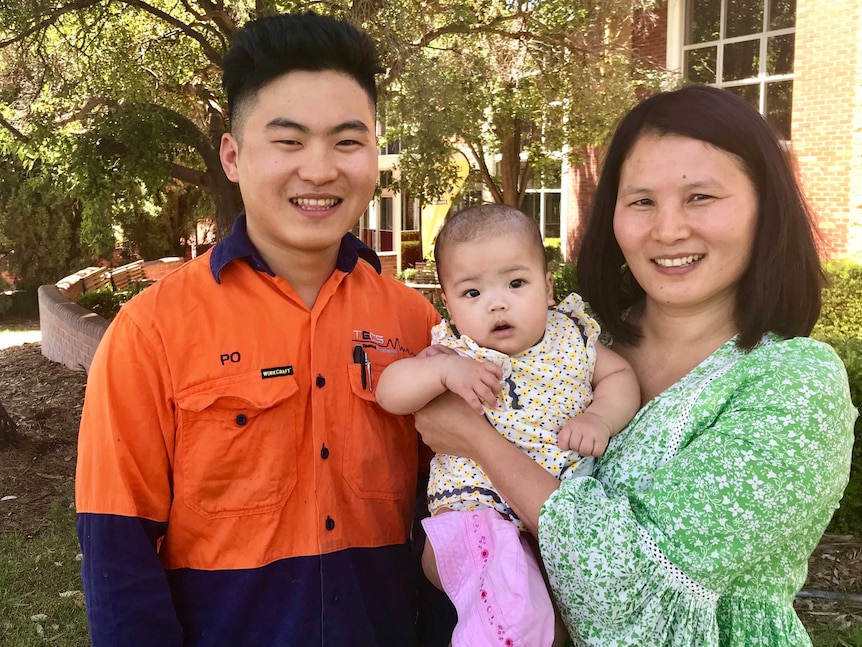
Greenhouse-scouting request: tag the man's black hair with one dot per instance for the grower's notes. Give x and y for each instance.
(270, 47)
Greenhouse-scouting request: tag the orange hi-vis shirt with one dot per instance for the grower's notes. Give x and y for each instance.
(237, 482)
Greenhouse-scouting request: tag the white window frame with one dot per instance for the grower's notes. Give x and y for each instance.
(676, 48)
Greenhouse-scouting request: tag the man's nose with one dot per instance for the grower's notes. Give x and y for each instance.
(318, 165)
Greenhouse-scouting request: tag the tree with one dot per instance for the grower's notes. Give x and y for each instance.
(123, 97)
(518, 81)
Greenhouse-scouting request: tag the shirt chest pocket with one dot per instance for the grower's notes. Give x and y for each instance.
(380, 449)
(237, 453)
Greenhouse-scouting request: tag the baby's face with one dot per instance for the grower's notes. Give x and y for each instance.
(497, 292)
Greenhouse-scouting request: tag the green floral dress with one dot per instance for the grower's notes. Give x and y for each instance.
(697, 526)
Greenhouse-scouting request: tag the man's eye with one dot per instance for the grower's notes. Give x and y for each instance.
(471, 294)
(516, 283)
(349, 142)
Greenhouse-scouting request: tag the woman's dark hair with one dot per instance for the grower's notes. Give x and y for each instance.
(780, 290)
(270, 47)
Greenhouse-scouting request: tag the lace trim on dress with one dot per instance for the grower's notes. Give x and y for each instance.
(678, 579)
(682, 420)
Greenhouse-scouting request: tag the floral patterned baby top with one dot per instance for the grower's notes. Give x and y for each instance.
(543, 387)
(704, 510)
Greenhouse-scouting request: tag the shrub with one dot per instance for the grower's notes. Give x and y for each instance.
(848, 518)
(841, 316)
(106, 302)
(553, 253)
(565, 281)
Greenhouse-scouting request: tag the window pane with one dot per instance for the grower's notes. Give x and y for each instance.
(751, 93)
(782, 13)
(552, 215)
(741, 60)
(700, 65)
(702, 18)
(386, 214)
(779, 99)
(743, 17)
(531, 205)
(779, 54)
(409, 213)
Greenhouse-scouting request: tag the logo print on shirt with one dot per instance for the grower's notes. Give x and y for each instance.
(276, 371)
(380, 343)
(233, 357)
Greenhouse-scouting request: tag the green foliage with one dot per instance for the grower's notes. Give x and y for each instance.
(107, 302)
(40, 584)
(841, 315)
(840, 325)
(565, 281)
(553, 253)
(848, 518)
(515, 80)
(40, 221)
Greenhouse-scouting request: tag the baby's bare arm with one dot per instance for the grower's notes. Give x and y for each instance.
(616, 399)
(409, 384)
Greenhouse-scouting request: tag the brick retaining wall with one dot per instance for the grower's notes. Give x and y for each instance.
(70, 333)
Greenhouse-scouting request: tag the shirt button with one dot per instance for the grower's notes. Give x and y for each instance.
(241, 419)
(334, 596)
(330, 523)
(324, 452)
(320, 381)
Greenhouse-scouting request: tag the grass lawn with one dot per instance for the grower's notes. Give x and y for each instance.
(40, 585)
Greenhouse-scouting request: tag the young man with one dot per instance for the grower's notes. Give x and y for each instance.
(237, 483)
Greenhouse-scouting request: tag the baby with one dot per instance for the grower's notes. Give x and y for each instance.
(545, 383)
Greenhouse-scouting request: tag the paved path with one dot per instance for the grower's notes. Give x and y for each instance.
(17, 337)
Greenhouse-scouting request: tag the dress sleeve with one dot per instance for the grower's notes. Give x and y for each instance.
(762, 470)
(123, 492)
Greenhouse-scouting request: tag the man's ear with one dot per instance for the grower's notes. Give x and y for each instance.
(228, 154)
(549, 285)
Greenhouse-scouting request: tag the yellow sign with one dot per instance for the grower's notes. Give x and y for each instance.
(434, 215)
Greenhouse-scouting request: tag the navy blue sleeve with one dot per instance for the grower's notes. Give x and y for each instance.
(126, 591)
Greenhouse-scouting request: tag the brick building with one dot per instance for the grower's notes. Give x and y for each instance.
(800, 63)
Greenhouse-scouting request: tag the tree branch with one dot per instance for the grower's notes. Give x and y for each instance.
(479, 155)
(209, 51)
(17, 134)
(188, 175)
(49, 20)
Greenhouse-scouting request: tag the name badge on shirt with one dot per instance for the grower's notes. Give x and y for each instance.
(276, 371)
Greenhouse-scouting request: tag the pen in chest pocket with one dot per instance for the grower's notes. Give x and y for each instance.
(361, 358)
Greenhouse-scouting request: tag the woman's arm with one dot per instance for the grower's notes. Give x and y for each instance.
(448, 426)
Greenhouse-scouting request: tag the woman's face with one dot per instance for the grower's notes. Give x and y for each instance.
(685, 220)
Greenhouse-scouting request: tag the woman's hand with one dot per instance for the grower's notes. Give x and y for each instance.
(449, 426)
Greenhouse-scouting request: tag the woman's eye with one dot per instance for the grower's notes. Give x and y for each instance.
(700, 197)
(516, 283)
(471, 294)
(643, 202)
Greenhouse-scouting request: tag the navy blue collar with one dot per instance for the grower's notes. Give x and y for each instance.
(238, 245)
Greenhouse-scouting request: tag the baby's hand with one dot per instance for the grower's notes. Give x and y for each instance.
(473, 380)
(587, 434)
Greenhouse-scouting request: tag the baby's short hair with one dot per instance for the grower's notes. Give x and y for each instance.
(487, 220)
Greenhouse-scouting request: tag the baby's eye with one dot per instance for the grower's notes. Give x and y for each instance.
(471, 294)
(516, 283)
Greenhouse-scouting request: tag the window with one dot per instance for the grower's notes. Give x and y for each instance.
(542, 201)
(746, 47)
